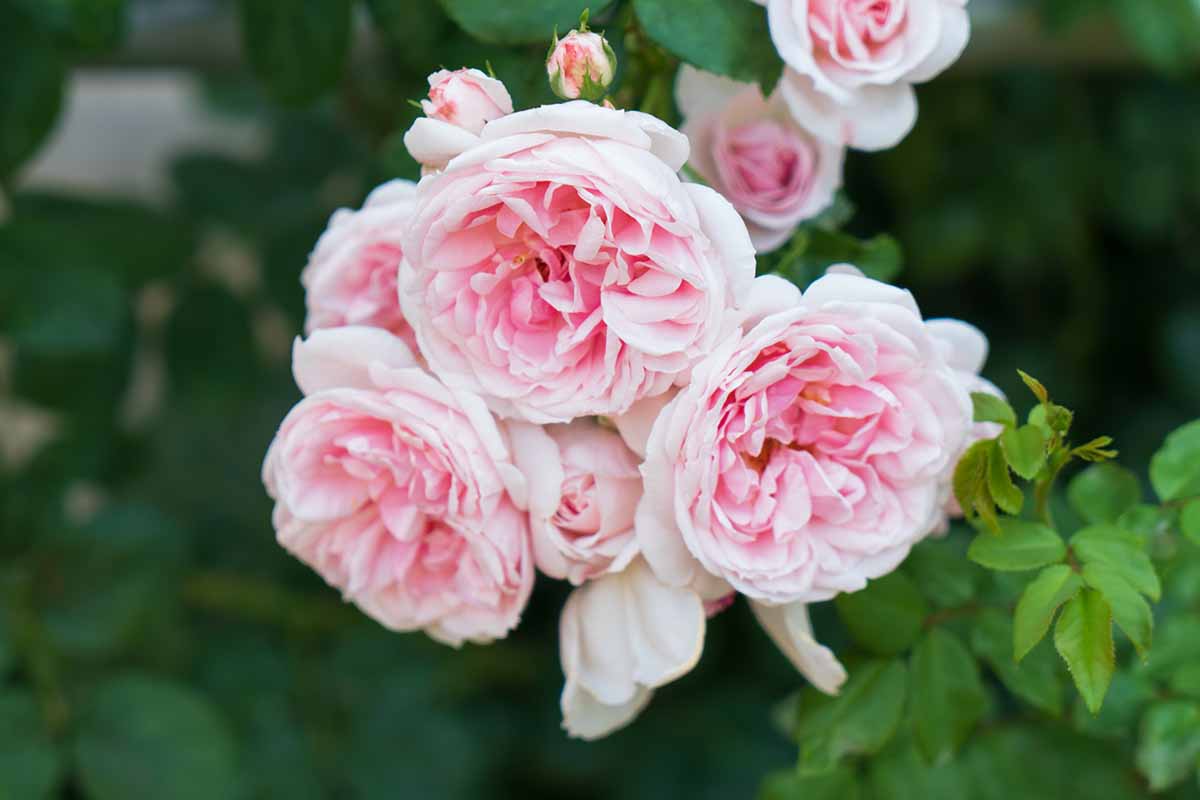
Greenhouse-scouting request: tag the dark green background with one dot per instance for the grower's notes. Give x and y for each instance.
(165, 647)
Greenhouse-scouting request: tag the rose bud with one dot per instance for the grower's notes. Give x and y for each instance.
(466, 98)
(581, 65)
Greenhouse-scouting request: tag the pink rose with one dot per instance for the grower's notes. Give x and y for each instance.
(965, 349)
(399, 491)
(460, 103)
(806, 456)
(350, 278)
(584, 487)
(749, 149)
(561, 269)
(852, 63)
(581, 65)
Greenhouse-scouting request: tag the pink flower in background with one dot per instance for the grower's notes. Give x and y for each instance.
(806, 456)
(749, 148)
(350, 278)
(581, 65)
(460, 104)
(584, 487)
(852, 63)
(399, 491)
(561, 269)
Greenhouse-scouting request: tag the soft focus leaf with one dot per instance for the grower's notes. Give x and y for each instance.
(519, 21)
(1169, 743)
(728, 37)
(1103, 492)
(972, 487)
(1020, 545)
(1121, 552)
(1025, 449)
(1035, 680)
(31, 94)
(902, 773)
(948, 697)
(1130, 611)
(1175, 469)
(144, 737)
(30, 766)
(1189, 521)
(1038, 604)
(942, 572)
(297, 49)
(1008, 497)
(990, 408)
(886, 617)
(837, 785)
(1083, 637)
(859, 721)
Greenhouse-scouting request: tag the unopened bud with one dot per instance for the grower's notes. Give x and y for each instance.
(581, 65)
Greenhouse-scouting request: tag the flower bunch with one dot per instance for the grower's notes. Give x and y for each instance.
(553, 355)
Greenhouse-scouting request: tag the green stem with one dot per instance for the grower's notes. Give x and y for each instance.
(1043, 489)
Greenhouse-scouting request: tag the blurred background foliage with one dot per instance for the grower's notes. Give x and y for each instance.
(154, 640)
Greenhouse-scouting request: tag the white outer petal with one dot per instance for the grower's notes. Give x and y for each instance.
(956, 32)
(432, 142)
(870, 118)
(726, 229)
(789, 627)
(341, 358)
(622, 636)
(699, 93)
(636, 423)
(965, 345)
(769, 294)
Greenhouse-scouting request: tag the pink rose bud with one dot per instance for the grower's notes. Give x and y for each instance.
(581, 65)
(466, 98)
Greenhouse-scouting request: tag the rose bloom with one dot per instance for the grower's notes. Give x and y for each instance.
(350, 278)
(965, 349)
(581, 64)
(806, 456)
(852, 63)
(584, 487)
(399, 491)
(750, 149)
(561, 269)
(460, 103)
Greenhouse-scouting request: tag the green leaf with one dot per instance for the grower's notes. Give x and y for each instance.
(948, 697)
(1035, 386)
(902, 773)
(31, 95)
(1038, 604)
(1083, 637)
(1120, 551)
(1020, 546)
(1035, 681)
(1189, 521)
(297, 49)
(972, 487)
(943, 573)
(90, 25)
(519, 21)
(1131, 613)
(1005, 493)
(990, 408)
(728, 37)
(1169, 743)
(30, 767)
(1175, 468)
(840, 784)
(1176, 645)
(1102, 493)
(141, 736)
(1025, 449)
(1186, 681)
(886, 617)
(859, 721)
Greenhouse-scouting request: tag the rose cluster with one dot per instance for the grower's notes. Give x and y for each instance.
(553, 355)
